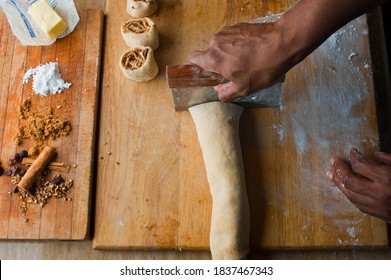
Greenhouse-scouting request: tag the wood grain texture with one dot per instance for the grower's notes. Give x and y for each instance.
(152, 191)
(76, 250)
(78, 56)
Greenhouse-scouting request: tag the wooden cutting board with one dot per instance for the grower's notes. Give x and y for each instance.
(78, 56)
(152, 191)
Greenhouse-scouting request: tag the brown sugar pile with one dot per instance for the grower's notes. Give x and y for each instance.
(40, 126)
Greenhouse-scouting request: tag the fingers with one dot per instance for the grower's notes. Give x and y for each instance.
(198, 58)
(365, 183)
(369, 169)
(366, 204)
(229, 91)
(345, 178)
(354, 197)
(373, 211)
(209, 60)
(383, 158)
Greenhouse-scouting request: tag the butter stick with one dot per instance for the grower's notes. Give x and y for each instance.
(47, 19)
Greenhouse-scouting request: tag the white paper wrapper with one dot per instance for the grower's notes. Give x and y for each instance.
(24, 26)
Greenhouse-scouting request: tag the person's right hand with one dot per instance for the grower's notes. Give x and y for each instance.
(250, 56)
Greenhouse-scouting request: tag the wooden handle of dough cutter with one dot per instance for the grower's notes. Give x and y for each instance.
(189, 75)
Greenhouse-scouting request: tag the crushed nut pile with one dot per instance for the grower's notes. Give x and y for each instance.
(40, 127)
(42, 190)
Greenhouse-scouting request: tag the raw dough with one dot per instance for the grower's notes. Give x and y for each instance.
(141, 8)
(140, 32)
(218, 133)
(139, 64)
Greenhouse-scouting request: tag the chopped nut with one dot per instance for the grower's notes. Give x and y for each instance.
(42, 190)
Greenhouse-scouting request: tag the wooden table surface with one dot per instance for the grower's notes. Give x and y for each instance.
(151, 188)
(83, 250)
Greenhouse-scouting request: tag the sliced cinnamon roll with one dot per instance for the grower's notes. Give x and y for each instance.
(138, 64)
(140, 32)
(141, 8)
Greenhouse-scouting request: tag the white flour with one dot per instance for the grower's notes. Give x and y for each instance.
(47, 78)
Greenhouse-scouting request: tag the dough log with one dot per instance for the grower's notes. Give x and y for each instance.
(217, 127)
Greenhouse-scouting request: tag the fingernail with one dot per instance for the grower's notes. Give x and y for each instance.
(357, 152)
(330, 175)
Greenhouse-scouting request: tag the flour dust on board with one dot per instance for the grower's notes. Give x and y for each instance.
(337, 83)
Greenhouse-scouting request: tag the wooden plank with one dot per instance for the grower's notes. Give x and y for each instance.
(156, 196)
(6, 57)
(78, 56)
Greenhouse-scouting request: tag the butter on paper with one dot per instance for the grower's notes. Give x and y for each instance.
(25, 28)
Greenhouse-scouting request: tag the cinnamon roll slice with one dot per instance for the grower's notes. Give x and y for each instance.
(140, 32)
(141, 8)
(138, 64)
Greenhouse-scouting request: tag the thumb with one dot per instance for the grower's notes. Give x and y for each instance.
(198, 58)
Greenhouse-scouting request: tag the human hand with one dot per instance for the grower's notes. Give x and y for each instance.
(250, 56)
(367, 184)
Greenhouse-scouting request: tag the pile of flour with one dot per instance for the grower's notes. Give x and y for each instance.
(47, 78)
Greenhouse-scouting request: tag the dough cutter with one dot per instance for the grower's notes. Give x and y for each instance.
(192, 85)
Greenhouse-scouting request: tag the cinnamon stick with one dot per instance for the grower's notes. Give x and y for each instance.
(36, 168)
(54, 165)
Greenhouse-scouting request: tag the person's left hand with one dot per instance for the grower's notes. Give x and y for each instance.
(367, 184)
